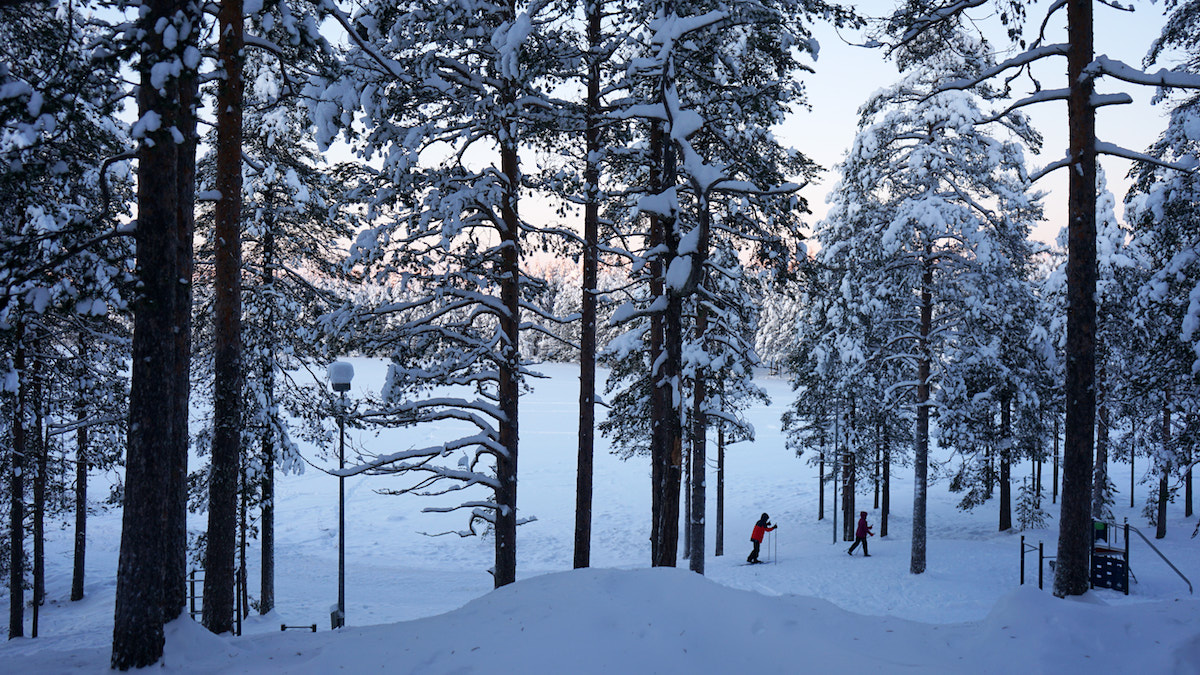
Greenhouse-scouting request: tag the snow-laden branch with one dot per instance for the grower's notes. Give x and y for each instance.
(60, 429)
(1020, 60)
(1103, 65)
(395, 462)
(669, 29)
(391, 67)
(1039, 97)
(275, 50)
(1101, 100)
(1116, 5)
(1050, 11)
(925, 22)
(1117, 151)
(1049, 168)
(449, 408)
(105, 197)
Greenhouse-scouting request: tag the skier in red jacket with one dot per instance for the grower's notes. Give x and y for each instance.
(760, 528)
(861, 534)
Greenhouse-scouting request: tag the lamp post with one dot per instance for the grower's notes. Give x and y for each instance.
(340, 374)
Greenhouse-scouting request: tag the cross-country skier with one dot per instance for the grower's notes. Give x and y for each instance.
(861, 534)
(760, 528)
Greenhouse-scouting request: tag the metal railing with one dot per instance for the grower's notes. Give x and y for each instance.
(241, 598)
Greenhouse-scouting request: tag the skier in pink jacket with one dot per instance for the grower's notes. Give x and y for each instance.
(861, 534)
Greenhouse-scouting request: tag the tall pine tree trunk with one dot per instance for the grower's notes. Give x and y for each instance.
(1160, 519)
(138, 620)
(687, 501)
(878, 458)
(16, 494)
(219, 560)
(667, 440)
(1187, 473)
(672, 425)
(1054, 468)
(41, 452)
(821, 472)
(1039, 461)
(1006, 452)
(266, 601)
(153, 531)
(1132, 456)
(587, 330)
(699, 402)
(1075, 531)
(243, 527)
(176, 540)
(921, 454)
(720, 524)
(659, 401)
(885, 504)
(266, 529)
(81, 478)
(1187, 488)
(510, 361)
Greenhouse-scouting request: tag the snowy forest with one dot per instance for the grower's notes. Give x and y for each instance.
(204, 205)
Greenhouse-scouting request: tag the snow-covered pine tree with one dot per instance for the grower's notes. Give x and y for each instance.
(909, 231)
(709, 80)
(989, 404)
(64, 255)
(1030, 514)
(1120, 270)
(447, 93)
(151, 568)
(289, 217)
(914, 20)
(295, 211)
(94, 410)
(719, 367)
(228, 369)
(779, 301)
(1163, 214)
(836, 364)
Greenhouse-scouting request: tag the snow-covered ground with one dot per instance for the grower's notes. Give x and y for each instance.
(422, 604)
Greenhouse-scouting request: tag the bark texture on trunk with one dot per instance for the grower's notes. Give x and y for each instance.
(885, 497)
(699, 460)
(510, 362)
(41, 455)
(220, 579)
(921, 456)
(587, 336)
(150, 570)
(666, 398)
(82, 460)
(1075, 522)
(720, 524)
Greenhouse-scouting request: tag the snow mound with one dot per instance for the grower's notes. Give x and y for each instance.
(671, 620)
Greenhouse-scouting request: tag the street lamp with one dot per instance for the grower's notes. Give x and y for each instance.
(340, 374)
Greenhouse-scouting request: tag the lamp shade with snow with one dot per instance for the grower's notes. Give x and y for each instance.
(340, 374)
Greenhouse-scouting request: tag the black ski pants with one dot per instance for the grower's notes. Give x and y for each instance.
(857, 541)
(753, 554)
